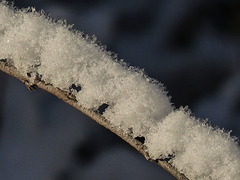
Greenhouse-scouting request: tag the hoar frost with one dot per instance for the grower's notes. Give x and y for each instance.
(41, 47)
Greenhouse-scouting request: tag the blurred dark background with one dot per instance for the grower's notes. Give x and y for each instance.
(192, 47)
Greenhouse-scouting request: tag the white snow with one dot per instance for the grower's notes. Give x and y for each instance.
(61, 56)
(196, 149)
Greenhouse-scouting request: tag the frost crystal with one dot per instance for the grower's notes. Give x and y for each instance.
(40, 47)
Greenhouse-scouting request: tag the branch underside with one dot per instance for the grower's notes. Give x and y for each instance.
(68, 98)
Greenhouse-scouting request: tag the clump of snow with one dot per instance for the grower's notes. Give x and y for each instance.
(21, 31)
(41, 48)
(195, 148)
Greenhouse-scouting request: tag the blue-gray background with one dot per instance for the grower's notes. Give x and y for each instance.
(192, 47)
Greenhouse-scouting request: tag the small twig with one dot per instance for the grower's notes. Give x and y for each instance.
(68, 98)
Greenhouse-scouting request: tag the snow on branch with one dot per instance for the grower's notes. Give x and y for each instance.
(51, 55)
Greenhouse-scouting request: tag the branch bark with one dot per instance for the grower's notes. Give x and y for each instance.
(70, 99)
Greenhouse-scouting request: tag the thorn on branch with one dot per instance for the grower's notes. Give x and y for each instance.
(167, 159)
(140, 139)
(29, 74)
(31, 87)
(38, 77)
(3, 60)
(102, 108)
(74, 87)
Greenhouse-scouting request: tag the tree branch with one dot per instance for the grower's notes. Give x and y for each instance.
(70, 99)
